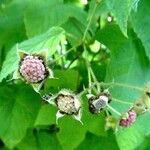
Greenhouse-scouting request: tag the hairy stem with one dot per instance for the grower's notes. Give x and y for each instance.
(90, 21)
(68, 51)
(114, 110)
(95, 80)
(89, 78)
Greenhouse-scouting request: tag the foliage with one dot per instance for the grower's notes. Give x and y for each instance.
(101, 44)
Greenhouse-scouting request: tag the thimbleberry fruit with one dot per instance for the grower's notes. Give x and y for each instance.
(67, 103)
(97, 103)
(32, 69)
(129, 119)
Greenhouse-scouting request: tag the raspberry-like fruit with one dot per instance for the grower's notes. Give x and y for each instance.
(32, 69)
(129, 119)
(67, 103)
(97, 103)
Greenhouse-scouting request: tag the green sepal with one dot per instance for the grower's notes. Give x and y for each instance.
(146, 96)
(146, 100)
(44, 55)
(51, 74)
(37, 86)
(59, 115)
(111, 123)
(124, 116)
(21, 54)
(78, 116)
(139, 107)
(16, 75)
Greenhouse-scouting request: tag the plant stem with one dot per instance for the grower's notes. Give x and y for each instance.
(71, 62)
(61, 53)
(114, 110)
(89, 78)
(113, 84)
(107, 113)
(90, 20)
(68, 51)
(95, 80)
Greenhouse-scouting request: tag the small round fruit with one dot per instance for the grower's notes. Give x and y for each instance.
(128, 119)
(68, 103)
(97, 103)
(32, 69)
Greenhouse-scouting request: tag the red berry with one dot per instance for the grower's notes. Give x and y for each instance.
(129, 120)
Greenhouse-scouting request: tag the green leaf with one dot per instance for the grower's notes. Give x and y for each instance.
(121, 10)
(71, 133)
(145, 145)
(94, 142)
(75, 30)
(37, 13)
(126, 62)
(48, 40)
(49, 141)
(140, 21)
(28, 142)
(11, 23)
(46, 116)
(19, 106)
(52, 13)
(39, 140)
(66, 79)
(130, 138)
(129, 66)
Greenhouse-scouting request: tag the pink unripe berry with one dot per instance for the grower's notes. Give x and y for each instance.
(129, 119)
(32, 69)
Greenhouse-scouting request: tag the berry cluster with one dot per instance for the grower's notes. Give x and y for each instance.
(98, 103)
(32, 69)
(66, 104)
(128, 119)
